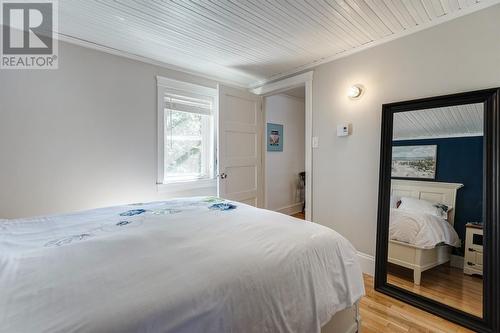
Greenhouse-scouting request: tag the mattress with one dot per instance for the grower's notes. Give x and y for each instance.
(421, 230)
(186, 265)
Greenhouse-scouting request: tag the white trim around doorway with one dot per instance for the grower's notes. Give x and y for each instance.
(306, 80)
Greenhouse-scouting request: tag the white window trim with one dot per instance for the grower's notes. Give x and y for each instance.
(174, 187)
(191, 185)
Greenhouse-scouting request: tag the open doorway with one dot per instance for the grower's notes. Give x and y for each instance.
(284, 140)
(302, 86)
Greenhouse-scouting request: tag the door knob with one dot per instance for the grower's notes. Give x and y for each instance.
(223, 176)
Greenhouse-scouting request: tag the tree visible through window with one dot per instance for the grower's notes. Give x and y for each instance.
(188, 139)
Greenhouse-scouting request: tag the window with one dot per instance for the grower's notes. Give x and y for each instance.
(188, 138)
(186, 151)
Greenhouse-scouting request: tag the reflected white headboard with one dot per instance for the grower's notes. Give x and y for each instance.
(437, 192)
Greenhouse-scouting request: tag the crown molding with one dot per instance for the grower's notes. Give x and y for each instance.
(110, 50)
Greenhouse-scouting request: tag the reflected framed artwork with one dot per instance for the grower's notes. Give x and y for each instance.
(414, 162)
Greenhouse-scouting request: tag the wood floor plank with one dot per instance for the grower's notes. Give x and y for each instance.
(300, 215)
(381, 314)
(445, 284)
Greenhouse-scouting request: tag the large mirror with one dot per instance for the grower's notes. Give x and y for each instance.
(437, 218)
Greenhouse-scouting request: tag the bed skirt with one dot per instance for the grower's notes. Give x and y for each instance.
(345, 321)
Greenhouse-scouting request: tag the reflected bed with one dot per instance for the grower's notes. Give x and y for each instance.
(416, 254)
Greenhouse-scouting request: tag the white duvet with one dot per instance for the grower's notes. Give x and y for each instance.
(422, 230)
(178, 266)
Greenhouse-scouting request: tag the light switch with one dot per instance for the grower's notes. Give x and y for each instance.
(344, 129)
(315, 142)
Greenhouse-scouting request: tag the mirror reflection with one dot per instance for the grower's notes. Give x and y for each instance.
(435, 228)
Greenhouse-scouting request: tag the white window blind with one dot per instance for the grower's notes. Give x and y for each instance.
(186, 102)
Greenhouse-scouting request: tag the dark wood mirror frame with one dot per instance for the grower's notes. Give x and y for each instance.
(491, 280)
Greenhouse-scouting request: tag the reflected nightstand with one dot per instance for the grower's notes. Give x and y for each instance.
(473, 261)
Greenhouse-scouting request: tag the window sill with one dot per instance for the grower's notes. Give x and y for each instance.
(187, 186)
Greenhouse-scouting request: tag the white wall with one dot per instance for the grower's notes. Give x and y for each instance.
(79, 137)
(457, 56)
(282, 168)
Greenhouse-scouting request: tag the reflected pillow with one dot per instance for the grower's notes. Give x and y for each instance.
(425, 207)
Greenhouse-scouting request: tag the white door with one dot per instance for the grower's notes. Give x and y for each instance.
(240, 146)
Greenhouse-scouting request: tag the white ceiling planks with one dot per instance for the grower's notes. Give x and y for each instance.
(247, 42)
(446, 122)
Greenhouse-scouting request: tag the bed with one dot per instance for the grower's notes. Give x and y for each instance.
(430, 251)
(184, 265)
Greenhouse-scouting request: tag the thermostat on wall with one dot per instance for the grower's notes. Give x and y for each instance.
(344, 129)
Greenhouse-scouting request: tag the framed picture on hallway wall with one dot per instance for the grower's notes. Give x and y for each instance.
(274, 137)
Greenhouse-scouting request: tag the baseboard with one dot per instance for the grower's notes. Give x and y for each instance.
(367, 263)
(457, 261)
(291, 209)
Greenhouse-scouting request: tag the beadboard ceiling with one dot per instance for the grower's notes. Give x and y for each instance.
(447, 122)
(249, 42)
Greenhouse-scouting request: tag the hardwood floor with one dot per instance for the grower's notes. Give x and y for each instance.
(299, 215)
(446, 284)
(383, 314)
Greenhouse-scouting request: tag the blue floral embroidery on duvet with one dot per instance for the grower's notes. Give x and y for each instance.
(133, 212)
(67, 240)
(223, 206)
(166, 211)
(122, 223)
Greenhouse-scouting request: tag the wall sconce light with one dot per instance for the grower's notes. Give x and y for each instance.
(355, 91)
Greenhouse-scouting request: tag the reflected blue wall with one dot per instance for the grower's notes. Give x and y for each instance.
(459, 160)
